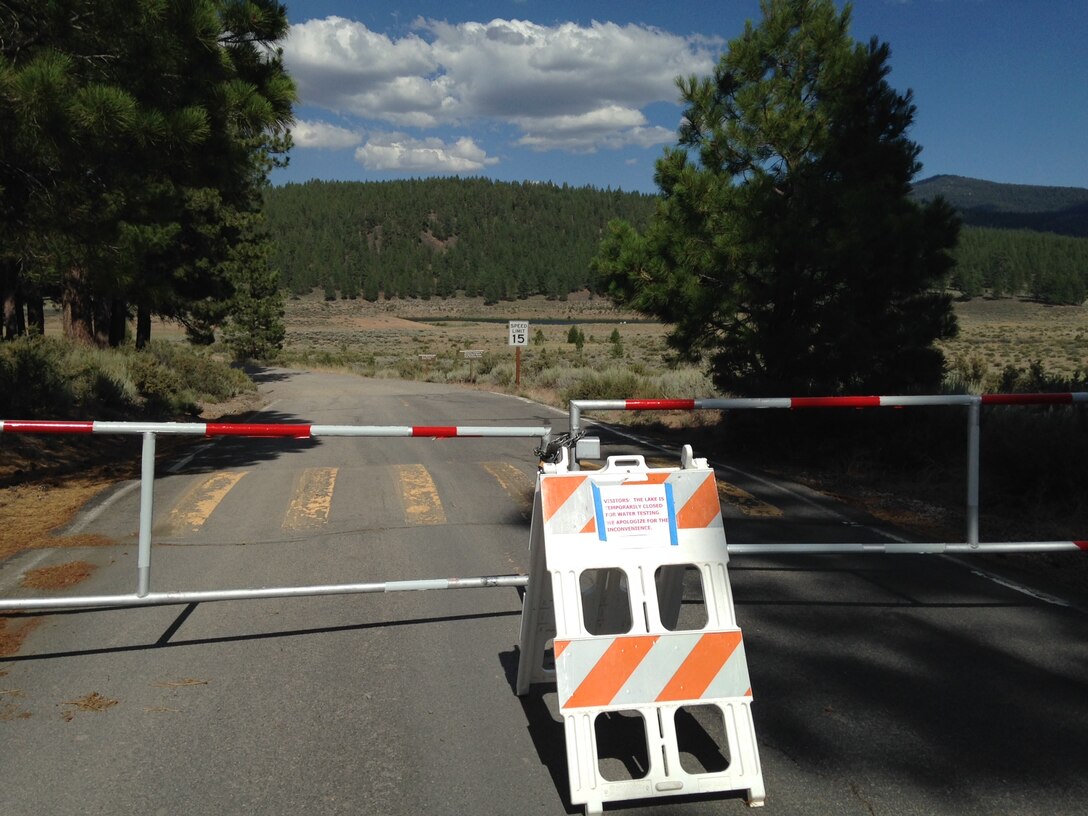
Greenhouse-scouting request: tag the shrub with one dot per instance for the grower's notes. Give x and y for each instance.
(200, 373)
(158, 385)
(45, 378)
(33, 380)
(609, 384)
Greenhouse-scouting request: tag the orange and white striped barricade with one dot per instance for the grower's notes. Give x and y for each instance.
(611, 553)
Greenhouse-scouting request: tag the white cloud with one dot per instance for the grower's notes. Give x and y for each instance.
(564, 86)
(322, 134)
(611, 127)
(396, 151)
(333, 59)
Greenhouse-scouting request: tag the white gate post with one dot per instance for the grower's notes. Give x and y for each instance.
(147, 492)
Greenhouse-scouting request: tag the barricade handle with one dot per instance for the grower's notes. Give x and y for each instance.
(626, 463)
(688, 460)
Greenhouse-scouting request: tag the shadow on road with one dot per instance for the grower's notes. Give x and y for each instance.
(243, 451)
(166, 641)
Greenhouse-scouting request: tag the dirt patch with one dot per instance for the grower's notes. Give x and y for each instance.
(10, 710)
(13, 631)
(60, 576)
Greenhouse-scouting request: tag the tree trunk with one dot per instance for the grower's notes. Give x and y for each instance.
(118, 322)
(76, 307)
(143, 325)
(103, 310)
(35, 314)
(13, 310)
(12, 305)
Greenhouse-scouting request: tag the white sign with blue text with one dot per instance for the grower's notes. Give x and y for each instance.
(645, 514)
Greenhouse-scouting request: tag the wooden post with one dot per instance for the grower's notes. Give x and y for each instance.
(517, 366)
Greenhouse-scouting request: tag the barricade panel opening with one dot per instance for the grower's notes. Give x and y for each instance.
(606, 601)
(548, 662)
(681, 600)
(701, 739)
(623, 751)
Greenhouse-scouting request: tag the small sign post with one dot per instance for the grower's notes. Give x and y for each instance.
(518, 337)
(472, 355)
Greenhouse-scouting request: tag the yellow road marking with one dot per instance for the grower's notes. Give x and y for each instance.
(419, 495)
(198, 503)
(516, 484)
(312, 499)
(746, 502)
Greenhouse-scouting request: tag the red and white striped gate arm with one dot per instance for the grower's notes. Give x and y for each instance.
(796, 403)
(268, 430)
(972, 402)
(151, 430)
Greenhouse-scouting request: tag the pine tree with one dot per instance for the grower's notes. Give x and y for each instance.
(785, 249)
(135, 132)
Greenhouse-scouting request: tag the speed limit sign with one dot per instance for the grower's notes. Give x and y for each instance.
(519, 333)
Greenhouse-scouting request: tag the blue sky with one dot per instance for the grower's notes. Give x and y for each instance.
(582, 92)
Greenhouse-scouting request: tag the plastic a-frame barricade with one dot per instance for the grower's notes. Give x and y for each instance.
(608, 554)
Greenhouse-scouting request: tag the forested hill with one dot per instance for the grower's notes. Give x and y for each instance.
(442, 236)
(1021, 239)
(981, 203)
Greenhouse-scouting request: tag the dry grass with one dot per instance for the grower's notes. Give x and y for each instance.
(13, 631)
(189, 681)
(90, 702)
(391, 336)
(999, 333)
(32, 512)
(59, 576)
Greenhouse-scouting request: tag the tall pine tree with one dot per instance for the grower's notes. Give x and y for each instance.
(138, 133)
(785, 250)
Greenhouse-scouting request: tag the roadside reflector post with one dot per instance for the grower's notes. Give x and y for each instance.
(147, 492)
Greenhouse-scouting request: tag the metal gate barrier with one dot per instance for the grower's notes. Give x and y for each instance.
(973, 403)
(143, 596)
(560, 446)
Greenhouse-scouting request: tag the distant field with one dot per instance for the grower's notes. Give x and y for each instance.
(388, 337)
(391, 335)
(1018, 333)
(397, 338)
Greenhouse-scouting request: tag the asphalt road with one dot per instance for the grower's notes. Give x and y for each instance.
(882, 685)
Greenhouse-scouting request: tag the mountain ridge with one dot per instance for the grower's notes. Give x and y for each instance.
(1062, 210)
